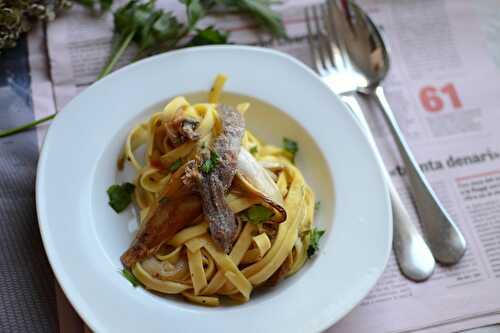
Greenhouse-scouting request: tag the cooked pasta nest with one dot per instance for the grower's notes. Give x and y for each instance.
(264, 251)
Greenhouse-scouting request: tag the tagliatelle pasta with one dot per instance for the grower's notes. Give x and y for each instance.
(267, 203)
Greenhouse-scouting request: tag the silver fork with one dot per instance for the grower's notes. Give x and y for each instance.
(412, 253)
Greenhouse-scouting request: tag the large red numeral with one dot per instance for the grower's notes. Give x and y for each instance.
(432, 102)
(450, 90)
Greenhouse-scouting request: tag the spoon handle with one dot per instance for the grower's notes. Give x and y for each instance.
(444, 238)
(414, 257)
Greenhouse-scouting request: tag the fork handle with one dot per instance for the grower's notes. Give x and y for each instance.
(412, 253)
(414, 257)
(444, 238)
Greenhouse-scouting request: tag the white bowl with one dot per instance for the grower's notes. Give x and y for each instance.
(84, 238)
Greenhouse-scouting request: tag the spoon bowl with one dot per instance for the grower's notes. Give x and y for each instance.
(364, 45)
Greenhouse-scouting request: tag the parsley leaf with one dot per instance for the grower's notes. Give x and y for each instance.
(176, 165)
(314, 237)
(253, 150)
(120, 196)
(160, 27)
(257, 214)
(209, 165)
(106, 4)
(208, 36)
(133, 16)
(151, 28)
(131, 277)
(103, 5)
(317, 205)
(87, 3)
(194, 11)
(291, 146)
(261, 11)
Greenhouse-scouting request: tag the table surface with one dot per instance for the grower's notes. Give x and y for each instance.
(28, 298)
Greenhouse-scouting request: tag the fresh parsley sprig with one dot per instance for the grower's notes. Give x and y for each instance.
(130, 21)
(259, 10)
(262, 12)
(155, 30)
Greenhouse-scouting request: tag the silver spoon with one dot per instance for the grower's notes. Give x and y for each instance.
(369, 59)
(414, 257)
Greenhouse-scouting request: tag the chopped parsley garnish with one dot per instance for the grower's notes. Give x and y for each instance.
(290, 146)
(257, 214)
(208, 36)
(163, 200)
(314, 237)
(209, 165)
(176, 165)
(120, 196)
(317, 205)
(131, 277)
(253, 150)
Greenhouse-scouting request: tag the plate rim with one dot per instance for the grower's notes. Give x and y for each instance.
(64, 280)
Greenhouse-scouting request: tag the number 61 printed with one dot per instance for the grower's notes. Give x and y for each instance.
(433, 98)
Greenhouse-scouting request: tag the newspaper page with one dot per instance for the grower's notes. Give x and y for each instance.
(436, 50)
(442, 86)
(41, 85)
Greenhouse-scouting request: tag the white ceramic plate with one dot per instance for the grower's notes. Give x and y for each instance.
(84, 238)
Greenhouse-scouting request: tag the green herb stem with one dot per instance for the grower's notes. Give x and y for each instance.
(18, 129)
(114, 58)
(131, 278)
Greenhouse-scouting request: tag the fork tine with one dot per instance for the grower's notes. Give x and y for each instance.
(326, 35)
(314, 44)
(322, 48)
(311, 36)
(337, 58)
